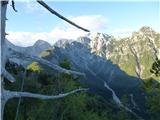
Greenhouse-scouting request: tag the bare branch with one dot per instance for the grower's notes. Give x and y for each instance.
(13, 6)
(7, 75)
(43, 61)
(60, 16)
(15, 94)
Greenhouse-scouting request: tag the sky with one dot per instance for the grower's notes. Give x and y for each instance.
(117, 18)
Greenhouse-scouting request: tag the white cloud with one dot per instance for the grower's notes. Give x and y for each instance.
(69, 33)
(122, 32)
(29, 38)
(23, 38)
(93, 22)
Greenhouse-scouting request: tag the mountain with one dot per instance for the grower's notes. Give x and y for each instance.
(96, 68)
(36, 49)
(82, 54)
(134, 55)
(40, 46)
(119, 62)
(103, 58)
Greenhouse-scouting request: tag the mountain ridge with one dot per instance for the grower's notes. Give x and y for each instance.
(134, 51)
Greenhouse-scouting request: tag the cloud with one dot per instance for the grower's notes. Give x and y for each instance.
(69, 33)
(121, 32)
(92, 22)
(22, 38)
(29, 38)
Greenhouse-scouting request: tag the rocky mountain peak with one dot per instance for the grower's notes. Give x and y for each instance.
(144, 32)
(98, 36)
(146, 29)
(41, 42)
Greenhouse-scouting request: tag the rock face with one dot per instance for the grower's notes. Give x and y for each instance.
(99, 43)
(136, 54)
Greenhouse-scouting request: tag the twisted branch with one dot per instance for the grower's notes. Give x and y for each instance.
(13, 6)
(14, 94)
(60, 16)
(43, 61)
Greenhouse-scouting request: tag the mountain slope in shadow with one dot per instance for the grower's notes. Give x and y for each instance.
(96, 68)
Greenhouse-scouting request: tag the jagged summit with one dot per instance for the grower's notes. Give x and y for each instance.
(41, 42)
(63, 42)
(145, 29)
(40, 45)
(98, 35)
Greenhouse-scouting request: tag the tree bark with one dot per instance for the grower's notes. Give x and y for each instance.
(3, 6)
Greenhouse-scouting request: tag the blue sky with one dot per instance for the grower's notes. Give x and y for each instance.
(116, 18)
